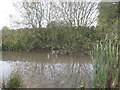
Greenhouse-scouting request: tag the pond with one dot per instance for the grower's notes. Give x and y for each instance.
(45, 70)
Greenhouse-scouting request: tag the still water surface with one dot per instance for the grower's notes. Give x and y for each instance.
(44, 70)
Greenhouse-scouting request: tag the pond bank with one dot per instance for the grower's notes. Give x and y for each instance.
(58, 51)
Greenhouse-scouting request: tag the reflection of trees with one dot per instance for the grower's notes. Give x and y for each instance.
(56, 74)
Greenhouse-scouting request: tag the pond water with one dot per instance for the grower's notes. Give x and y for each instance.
(44, 70)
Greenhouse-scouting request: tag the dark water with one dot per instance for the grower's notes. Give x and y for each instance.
(45, 70)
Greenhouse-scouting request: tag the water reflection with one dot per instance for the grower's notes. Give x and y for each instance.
(38, 70)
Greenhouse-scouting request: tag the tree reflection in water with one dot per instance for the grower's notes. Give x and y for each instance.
(57, 72)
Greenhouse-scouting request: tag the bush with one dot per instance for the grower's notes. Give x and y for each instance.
(67, 38)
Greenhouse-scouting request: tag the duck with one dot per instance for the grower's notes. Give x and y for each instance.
(56, 52)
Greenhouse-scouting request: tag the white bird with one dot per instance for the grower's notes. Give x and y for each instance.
(48, 55)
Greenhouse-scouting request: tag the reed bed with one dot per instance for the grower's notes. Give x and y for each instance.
(105, 63)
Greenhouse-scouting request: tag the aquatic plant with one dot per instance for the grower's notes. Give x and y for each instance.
(82, 86)
(15, 81)
(105, 62)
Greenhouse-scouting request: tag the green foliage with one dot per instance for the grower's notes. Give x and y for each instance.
(81, 86)
(108, 17)
(15, 81)
(105, 61)
(5, 28)
(66, 38)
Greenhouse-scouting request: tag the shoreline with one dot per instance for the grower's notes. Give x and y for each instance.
(54, 51)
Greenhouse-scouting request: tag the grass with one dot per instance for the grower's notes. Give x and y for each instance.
(105, 61)
(15, 81)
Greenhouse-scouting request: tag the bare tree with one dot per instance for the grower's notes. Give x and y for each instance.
(77, 13)
(31, 12)
(73, 13)
(49, 11)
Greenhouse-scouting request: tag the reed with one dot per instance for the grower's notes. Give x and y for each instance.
(105, 61)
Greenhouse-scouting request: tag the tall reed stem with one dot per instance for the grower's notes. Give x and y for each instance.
(105, 60)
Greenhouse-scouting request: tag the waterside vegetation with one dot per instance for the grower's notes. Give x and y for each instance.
(106, 64)
(64, 39)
